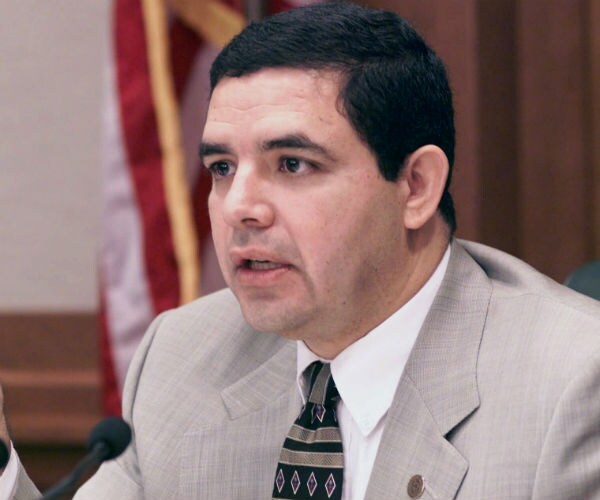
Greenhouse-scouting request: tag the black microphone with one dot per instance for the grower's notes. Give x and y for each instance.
(107, 440)
(4, 454)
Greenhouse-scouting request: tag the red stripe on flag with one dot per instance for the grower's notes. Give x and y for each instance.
(184, 48)
(275, 6)
(140, 133)
(111, 399)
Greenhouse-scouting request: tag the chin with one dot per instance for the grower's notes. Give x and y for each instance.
(279, 323)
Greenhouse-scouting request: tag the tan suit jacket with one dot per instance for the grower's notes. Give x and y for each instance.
(500, 398)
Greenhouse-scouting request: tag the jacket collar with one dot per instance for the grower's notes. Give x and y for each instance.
(443, 363)
(438, 389)
(266, 383)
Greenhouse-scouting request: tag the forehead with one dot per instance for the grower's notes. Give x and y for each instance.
(277, 97)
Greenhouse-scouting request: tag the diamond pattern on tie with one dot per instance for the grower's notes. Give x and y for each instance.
(312, 484)
(330, 485)
(295, 482)
(318, 412)
(279, 481)
(312, 454)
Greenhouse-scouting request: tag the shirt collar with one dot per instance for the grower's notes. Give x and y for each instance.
(378, 358)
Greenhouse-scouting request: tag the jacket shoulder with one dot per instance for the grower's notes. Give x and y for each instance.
(209, 338)
(512, 278)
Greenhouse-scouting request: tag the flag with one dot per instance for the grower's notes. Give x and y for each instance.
(155, 251)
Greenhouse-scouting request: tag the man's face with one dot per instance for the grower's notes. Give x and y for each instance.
(308, 234)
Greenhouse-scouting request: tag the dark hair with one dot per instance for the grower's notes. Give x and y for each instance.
(395, 91)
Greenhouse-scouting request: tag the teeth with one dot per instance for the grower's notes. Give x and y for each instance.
(262, 265)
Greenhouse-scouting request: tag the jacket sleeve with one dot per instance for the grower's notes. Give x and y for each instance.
(569, 465)
(121, 478)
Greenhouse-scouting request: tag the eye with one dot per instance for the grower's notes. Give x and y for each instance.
(294, 165)
(220, 169)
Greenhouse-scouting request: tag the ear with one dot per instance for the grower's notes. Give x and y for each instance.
(424, 173)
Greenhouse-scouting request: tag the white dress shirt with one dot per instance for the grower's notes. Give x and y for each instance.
(366, 375)
(376, 360)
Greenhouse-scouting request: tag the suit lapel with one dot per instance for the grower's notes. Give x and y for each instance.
(437, 391)
(237, 457)
(267, 383)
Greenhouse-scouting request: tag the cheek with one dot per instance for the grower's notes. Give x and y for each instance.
(213, 203)
(353, 239)
(330, 241)
(217, 225)
(215, 213)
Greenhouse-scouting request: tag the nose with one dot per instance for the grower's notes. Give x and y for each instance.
(246, 202)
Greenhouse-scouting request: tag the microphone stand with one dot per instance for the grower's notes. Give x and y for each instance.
(66, 485)
(108, 439)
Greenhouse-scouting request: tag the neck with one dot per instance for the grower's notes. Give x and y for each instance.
(425, 249)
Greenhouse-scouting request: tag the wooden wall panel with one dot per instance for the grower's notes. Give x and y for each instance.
(593, 31)
(554, 231)
(496, 56)
(50, 374)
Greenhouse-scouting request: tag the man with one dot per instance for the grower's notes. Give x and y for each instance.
(457, 370)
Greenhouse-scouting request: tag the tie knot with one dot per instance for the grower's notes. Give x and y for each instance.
(322, 388)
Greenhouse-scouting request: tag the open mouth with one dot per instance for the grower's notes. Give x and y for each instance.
(261, 265)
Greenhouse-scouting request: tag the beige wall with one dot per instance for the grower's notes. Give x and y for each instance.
(51, 55)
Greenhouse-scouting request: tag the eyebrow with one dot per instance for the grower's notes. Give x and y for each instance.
(296, 141)
(213, 148)
(291, 141)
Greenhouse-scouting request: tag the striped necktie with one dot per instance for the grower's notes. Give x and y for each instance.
(311, 464)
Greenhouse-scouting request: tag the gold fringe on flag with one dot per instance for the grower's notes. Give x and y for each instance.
(177, 191)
